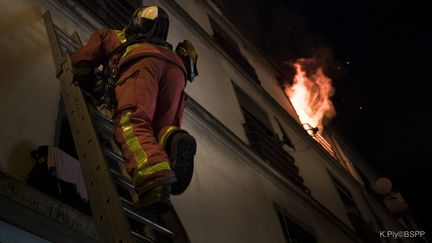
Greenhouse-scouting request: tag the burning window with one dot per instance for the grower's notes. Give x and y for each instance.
(309, 92)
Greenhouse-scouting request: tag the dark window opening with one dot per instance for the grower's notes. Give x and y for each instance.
(354, 215)
(264, 141)
(232, 49)
(285, 139)
(292, 231)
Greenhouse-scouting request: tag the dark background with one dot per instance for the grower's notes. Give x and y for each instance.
(380, 65)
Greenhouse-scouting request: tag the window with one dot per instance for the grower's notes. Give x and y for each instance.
(264, 141)
(354, 214)
(293, 232)
(350, 206)
(232, 49)
(285, 139)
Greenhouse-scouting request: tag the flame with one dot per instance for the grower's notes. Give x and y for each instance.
(310, 95)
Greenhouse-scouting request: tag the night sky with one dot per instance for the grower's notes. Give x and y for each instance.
(380, 68)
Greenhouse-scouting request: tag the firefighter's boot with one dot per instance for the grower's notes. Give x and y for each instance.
(155, 201)
(152, 184)
(181, 148)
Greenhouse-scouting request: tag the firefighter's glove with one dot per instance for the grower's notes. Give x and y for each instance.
(81, 74)
(85, 77)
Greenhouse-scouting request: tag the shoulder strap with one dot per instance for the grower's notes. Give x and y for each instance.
(111, 76)
(125, 44)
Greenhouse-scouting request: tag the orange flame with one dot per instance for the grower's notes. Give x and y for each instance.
(310, 95)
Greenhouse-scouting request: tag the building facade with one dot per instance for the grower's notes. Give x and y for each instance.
(259, 176)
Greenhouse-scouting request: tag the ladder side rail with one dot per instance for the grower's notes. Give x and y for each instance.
(105, 204)
(107, 210)
(53, 41)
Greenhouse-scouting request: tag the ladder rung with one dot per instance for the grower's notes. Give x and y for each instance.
(147, 222)
(140, 238)
(126, 185)
(103, 120)
(112, 155)
(122, 180)
(66, 46)
(126, 202)
(104, 129)
(60, 34)
(99, 116)
(95, 113)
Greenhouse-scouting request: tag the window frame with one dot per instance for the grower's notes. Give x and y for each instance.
(264, 141)
(292, 231)
(232, 48)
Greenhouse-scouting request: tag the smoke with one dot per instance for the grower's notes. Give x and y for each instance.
(285, 30)
(322, 57)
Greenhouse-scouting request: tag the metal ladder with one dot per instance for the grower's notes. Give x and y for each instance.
(109, 191)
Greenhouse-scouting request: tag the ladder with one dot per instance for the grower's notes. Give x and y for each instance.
(110, 192)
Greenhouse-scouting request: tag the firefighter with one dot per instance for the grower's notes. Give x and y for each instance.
(146, 79)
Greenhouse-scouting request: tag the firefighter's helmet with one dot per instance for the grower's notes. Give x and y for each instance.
(150, 23)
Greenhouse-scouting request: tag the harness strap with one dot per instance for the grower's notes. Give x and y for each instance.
(111, 70)
(149, 54)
